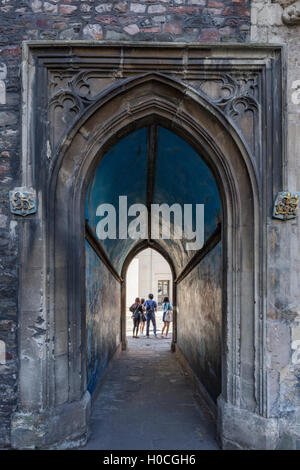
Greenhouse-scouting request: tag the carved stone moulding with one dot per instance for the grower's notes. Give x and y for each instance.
(73, 91)
(286, 205)
(291, 14)
(22, 201)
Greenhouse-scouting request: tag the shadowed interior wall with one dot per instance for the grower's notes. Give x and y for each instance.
(199, 300)
(103, 297)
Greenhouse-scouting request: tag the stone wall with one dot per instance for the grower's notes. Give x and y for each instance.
(158, 20)
(9, 232)
(199, 321)
(275, 22)
(103, 313)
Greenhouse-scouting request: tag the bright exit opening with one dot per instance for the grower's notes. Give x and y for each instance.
(147, 273)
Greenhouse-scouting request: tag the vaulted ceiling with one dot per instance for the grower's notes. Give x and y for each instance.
(153, 165)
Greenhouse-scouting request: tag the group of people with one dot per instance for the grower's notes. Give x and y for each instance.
(143, 312)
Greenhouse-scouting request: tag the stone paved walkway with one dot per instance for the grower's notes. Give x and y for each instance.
(147, 402)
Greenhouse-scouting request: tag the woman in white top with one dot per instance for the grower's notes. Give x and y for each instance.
(167, 316)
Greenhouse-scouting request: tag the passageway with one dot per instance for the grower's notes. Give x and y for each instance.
(148, 402)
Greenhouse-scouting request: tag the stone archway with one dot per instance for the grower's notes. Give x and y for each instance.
(52, 374)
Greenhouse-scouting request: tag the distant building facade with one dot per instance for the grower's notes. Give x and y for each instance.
(149, 273)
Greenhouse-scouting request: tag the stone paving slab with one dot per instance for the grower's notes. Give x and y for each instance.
(147, 402)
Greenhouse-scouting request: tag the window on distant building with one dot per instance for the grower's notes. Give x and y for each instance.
(163, 290)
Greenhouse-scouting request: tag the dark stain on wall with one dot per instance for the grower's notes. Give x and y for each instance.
(199, 301)
(103, 297)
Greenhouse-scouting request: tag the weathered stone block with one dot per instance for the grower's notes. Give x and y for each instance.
(104, 7)
(93, 31)
(132, 29)
(196, 2)
(67, 9)
(36, 5)
(8, 118)
(138, 8)
(242, 429)
(41, 430)
(279, 344)
(152, 9)
(174, 28)
(50, 8)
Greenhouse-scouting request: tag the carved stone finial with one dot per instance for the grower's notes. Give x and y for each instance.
(22, 201)
(286, 206)
(291, 14)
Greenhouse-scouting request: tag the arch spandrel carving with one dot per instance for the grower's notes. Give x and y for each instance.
(84, 89)
(221, 81)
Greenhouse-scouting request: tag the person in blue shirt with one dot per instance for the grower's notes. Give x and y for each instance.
(151, 308)
(167, 316)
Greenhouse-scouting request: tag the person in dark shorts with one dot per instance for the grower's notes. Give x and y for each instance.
(137, 311)
(142, 319)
